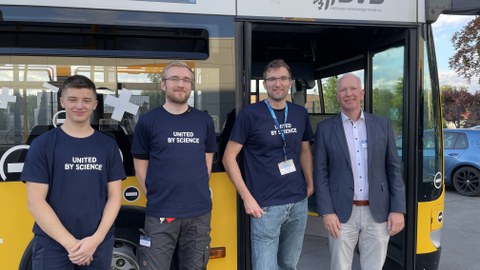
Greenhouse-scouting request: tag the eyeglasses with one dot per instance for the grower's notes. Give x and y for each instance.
(275, 79)
(176, 79)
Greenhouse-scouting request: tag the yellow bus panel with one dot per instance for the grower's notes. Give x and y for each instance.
(430, 219)
(16, 224)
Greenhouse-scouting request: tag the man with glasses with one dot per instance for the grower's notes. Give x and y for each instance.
(173, 149)
(275, 137)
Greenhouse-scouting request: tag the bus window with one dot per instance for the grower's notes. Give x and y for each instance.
(30, 90)
(313, 104)
(329, 90)
(432, 152)
(387, 97)
(387, 85)
(255, 91)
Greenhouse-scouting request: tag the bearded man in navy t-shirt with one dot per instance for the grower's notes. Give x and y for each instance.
(72, 176)
(173, 151)
(275, 137)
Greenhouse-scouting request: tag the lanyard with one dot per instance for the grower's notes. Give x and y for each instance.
(277, 125)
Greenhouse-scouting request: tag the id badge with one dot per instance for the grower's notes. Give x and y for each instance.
(364, 144)
(145, 240)
(286, 167)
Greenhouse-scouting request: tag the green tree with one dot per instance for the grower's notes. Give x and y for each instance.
(466, 42)
(382, 101)
(155, 77)
(329, 87)
(388, 101)
(396, 112)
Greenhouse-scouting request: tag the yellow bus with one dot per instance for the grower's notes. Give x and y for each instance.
(123, 46)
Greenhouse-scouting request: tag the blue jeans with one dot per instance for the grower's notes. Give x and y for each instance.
(277, 237)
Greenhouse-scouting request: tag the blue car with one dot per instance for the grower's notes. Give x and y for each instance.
(462, 160)
(461, 157)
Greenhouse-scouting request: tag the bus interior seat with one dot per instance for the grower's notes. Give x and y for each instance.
(317, 118)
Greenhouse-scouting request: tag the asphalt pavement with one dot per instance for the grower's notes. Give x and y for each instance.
(460, 237)
(461, 233)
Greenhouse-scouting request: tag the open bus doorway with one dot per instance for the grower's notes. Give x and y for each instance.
(318, 55)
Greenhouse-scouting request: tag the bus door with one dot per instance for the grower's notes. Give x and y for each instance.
(385, 58)
(386, 97)
(381, 67)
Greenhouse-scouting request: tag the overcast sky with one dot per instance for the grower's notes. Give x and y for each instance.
(443, 30)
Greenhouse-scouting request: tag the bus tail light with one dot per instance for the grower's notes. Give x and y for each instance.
(217, 252)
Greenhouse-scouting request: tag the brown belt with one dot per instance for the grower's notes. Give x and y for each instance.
(360, 203)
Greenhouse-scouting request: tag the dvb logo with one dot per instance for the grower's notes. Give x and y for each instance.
(325, 4)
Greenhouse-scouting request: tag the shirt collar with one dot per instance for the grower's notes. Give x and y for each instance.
(345, 117)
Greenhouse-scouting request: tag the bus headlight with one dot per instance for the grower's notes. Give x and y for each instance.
(436, 237)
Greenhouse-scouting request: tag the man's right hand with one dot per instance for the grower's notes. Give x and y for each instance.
(252, 208)
(332, 224)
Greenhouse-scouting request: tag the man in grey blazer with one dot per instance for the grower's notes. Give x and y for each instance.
(358, 183)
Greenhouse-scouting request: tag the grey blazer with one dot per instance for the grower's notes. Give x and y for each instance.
(333, 175)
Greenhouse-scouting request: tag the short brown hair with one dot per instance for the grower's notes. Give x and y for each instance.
(79, 81)
(274, 64)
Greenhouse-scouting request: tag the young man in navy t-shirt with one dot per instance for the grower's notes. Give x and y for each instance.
(173, 151)
(275, 137)
(72, 176)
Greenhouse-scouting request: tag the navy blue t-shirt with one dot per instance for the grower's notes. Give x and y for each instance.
(177, 174)
(255, 129)
(77, 171)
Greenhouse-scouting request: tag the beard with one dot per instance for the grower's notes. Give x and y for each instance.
(175, 98)
(277, 96)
